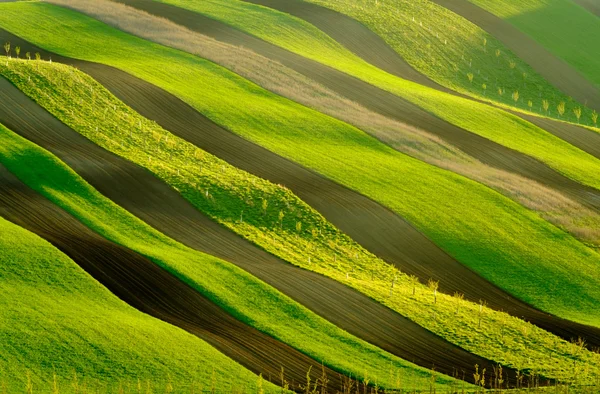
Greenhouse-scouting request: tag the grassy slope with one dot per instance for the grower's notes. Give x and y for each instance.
(563, 27)
(482, 229)
(67, 323)
(58, 87)
(446, 58)
(446, 47)
(238, 292)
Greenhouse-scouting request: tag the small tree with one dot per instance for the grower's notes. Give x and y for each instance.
(498, 53)
(38, 56)
(298, 227)
(28, 56)
(546, 105)
(470, 76)
(484, 44)
(515, 96)
(481, 305)
(281, 215)
(484, 87)
(18, 51)
(595, 117)
(500, 91)
(530, 104)
(561, 108)
(512, 64)
(434, 285)
(577, 112)
(265, 204)
(7, 50)
(413, 281)
(458, 297)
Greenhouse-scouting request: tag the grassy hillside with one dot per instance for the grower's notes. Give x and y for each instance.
(59, 87)
(563, 27)
(440, 44)
(447, 48)
(242, 295)
(566, 213)
(56, 319)
(540, 264)
(492, 123)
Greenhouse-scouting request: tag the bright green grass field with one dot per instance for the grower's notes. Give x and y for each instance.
(55, 318)
(242, 295)
(489, 122)
(498, 238)
(67, 94)
(563, 27)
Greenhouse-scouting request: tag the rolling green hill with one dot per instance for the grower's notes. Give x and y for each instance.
(440, 44)
(56, 86)
(249, 300)
(56, 319)
(480, 233)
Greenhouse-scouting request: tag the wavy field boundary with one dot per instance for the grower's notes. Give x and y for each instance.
(332, 301)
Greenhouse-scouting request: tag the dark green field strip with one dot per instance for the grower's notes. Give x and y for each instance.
(368, 222)
(380, 101)
(373, 49)
(162, 207)
(150, 289)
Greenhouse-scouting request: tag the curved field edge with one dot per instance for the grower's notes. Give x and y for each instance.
(67, 93)
(281, 139)
(490, 122)
(236, 291)
(485, 238)
(563, 27)
(69, 326)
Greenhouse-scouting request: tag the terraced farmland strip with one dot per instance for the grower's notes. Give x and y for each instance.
(56, 86)
(162, 207)
(564, 28)
(148, 288)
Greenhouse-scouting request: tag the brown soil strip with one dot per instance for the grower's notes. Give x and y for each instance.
(592, 6)
(147, 197)
(373, 226)
(150, 289)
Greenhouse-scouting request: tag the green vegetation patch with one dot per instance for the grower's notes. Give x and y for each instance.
(306, 239)
(56, 322)
(496, 237)
(242, 295)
